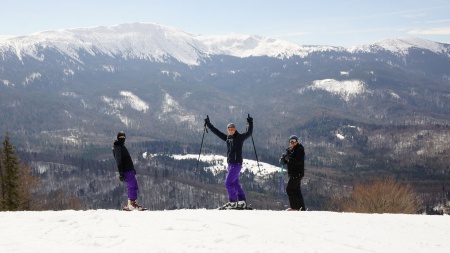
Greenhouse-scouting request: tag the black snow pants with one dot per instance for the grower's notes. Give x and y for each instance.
(294, 193)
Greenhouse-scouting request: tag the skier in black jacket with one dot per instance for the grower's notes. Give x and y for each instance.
(235, 140)
(294, 158)
(127, 173)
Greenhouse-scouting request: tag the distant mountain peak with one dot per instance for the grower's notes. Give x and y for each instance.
(403, 45)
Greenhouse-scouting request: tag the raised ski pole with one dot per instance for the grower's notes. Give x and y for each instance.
(201, 145)
(257, 161)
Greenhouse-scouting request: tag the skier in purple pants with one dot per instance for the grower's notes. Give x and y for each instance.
(235, 140)
(127, 173)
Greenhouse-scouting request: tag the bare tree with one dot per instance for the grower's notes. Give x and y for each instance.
(382, 195)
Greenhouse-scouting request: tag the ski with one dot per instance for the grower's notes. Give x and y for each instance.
(128, 210)
(248, 207)
(125, 208)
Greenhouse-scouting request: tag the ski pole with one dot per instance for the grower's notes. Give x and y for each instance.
(257, 161)
(281, 183)
(284, 186)
(201, 145)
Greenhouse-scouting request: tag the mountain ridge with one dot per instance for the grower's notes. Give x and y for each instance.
(155, 42)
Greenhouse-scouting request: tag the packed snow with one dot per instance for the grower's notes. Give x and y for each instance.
(201, 230)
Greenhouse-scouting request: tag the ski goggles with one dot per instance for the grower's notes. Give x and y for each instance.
(292, 140)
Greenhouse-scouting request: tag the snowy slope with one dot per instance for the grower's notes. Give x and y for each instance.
(113, 231)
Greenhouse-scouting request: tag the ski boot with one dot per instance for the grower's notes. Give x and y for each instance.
(241, 205)
(133, 206)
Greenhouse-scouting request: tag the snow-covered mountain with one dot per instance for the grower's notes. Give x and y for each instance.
(72, 50)
(157, 42)
(401, 46)
(149, 41)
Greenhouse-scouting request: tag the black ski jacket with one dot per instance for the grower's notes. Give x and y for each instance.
(234, 143)
(296, 161)
(123, 158)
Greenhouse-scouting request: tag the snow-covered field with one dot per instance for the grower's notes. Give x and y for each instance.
(202, 230)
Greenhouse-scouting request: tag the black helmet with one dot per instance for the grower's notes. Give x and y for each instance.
(121, 133)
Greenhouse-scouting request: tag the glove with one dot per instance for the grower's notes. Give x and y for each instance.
(286, 157)
(207, 122)
(283, 159)
(249, 119)
(122, 177)
(289, 151)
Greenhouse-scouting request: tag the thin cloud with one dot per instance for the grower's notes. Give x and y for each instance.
(433, 31)
(291, 34)
(288, 35)
(408, 13)
(438, 21)
(414, 15)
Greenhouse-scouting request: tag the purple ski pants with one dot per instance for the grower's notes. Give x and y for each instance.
(234, 188)
(132, 185)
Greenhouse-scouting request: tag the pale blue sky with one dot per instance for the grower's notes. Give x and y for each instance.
(312, 22)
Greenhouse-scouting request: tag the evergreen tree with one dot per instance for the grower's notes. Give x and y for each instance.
(9, 177)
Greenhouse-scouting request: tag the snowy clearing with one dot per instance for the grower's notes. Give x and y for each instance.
(220, 161)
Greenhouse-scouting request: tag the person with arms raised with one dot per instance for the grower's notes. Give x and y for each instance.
(235, 141)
